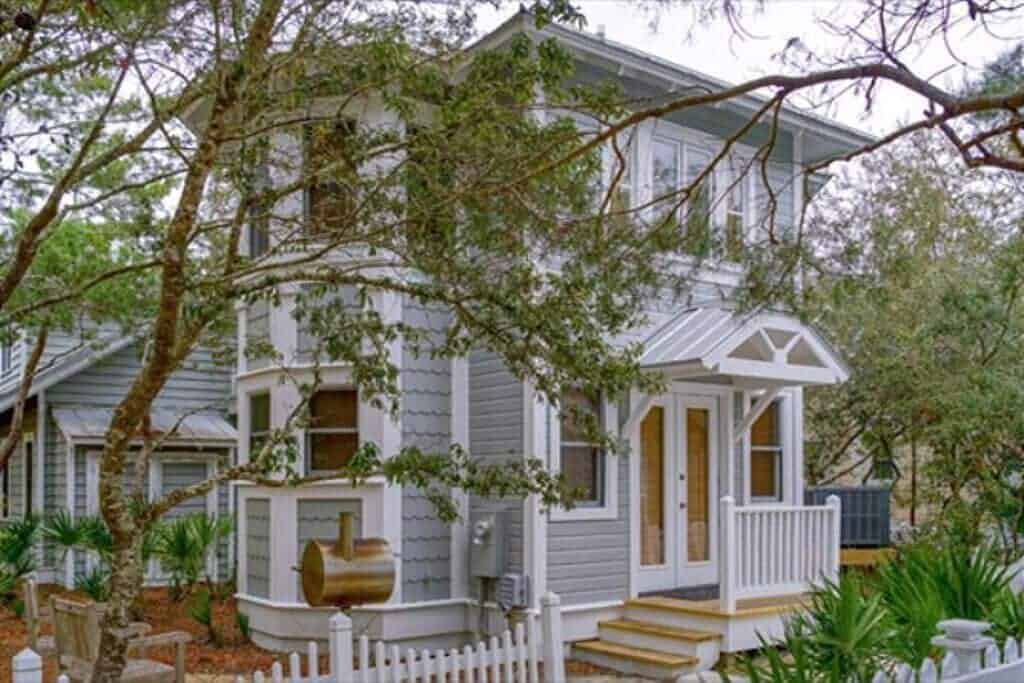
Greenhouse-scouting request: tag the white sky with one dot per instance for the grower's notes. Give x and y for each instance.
(715, 50)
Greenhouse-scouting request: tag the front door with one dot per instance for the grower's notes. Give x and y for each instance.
(678, 490)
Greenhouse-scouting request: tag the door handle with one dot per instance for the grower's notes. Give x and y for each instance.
(682, 506)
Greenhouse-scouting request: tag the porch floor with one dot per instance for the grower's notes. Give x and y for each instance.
(769, 605)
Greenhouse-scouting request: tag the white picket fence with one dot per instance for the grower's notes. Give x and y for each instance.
(514, 657)
(970, 658)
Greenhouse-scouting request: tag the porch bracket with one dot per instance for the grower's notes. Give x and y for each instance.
(637, 413)
(750, 417)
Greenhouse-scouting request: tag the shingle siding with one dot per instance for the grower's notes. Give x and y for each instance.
(426, 424)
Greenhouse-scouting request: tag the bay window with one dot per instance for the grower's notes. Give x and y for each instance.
(259, 422)
(333, 434)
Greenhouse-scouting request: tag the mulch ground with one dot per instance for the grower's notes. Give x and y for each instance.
(232, 655)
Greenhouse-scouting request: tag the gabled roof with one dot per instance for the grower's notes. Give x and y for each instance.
(824, 138)
(89, 424)
(759, 347)
(68, 366)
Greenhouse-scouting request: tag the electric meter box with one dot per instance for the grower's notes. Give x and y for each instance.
(488, 545)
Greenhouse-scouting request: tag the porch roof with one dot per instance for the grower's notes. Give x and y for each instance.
(761, 348)
(87, 424)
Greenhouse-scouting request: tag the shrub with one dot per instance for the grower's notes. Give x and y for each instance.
(95, 583)
(202, 612)
(242, 621)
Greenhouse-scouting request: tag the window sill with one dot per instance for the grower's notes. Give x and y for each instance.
(584, 514)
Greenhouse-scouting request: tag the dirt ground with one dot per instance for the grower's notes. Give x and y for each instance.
(205, 661)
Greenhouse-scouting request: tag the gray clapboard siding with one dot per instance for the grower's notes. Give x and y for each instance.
(257, 546)
(588, 561)
(317, 519)
(10, 379)
(496, 424)
(176, 475)
(426, 424)
(200, 384)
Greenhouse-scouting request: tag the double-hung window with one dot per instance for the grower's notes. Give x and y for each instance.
(582, 462)
(735, 179)
(333, 434)
(259, 422)
(6, 358)
(331, 165)
(666, 164)
(766, 452)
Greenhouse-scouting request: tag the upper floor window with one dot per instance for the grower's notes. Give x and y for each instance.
(676, 166)
(581, 461)
(333, 434)
(331, 163)
(259, 235)
(257, 334)
(259, 421)
(766, 450)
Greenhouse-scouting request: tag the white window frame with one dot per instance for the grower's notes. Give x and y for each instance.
(309, 432)
(609, 508)
(6, 359)
(249, 433)
(786, 452)
(680, 147)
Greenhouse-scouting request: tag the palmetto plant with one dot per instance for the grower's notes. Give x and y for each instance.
(183, 544)
(910, 593)
(16, 540)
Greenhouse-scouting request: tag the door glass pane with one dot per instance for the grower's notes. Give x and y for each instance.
(652, 498)
(697, 485)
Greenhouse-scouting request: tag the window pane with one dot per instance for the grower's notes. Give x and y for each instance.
(765, 432)
(574, 398)
(664, 174)
(331, 451)
(259, 413)
(698, 479)
(652, 496)
(698, 210)
(334, 409)
(764, 474)
(582, 466)
(329, 155)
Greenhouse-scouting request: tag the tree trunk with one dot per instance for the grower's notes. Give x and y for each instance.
(125, 585)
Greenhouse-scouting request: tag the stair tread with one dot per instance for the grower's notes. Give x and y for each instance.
(712, 608)
(636, 654)
(649, 628)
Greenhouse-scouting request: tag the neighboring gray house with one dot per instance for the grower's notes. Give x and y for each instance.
(79, 383)
(686, 546)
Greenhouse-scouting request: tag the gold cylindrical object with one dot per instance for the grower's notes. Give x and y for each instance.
(348, 572)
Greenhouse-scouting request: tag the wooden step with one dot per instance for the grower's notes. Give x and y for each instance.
(636, 654)
(711, 608)
(649, 629)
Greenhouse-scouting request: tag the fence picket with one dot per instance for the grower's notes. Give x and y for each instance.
(1011, 651)
(442, 665)
(313, 662)
(470, 664)
(257, 677)
(495, 660)
(277, 673)
(294, 667)
(410, 660)
(928, 673)
(380, 662)
(506, 652)
(396, 664)
(880, 677)
(991, 657)
(520, 646)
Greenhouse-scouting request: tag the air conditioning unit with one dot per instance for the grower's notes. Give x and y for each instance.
(513, 591)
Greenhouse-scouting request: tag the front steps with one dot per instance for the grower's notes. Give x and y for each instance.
(666, 638)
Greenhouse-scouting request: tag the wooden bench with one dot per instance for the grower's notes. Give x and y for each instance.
(76, 628)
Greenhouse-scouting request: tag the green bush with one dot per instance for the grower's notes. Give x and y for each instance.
(95, 583)
(242, 621)
(202, 612)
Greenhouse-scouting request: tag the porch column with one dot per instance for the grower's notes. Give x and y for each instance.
(727, 555)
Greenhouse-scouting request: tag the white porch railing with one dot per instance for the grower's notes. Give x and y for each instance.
(776, 549)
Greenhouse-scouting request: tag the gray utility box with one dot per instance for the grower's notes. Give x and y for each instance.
(488, 543)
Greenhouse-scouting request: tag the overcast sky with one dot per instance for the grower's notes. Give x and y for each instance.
(714, 49)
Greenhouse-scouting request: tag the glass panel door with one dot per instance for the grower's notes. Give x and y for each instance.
(652, 488)
(697, 417)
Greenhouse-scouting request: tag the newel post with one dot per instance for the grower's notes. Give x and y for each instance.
(727, 554)
(341, 648)
(27, 667)
(836, 542)
(554, 651)
(965, 640)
